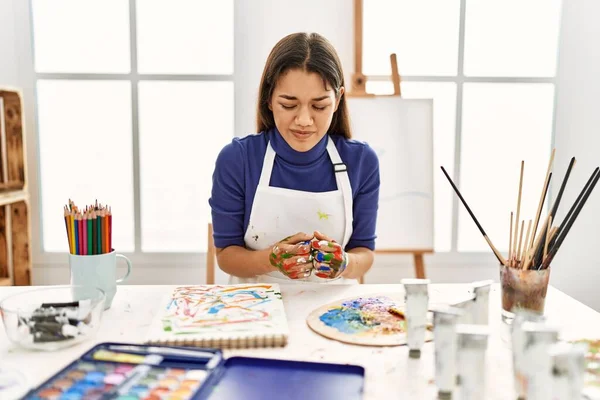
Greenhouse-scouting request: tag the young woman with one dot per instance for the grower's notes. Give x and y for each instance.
(298, 201)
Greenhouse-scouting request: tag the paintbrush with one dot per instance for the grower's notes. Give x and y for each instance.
(539, 244)
(487, 239)
(568, 223)
(537, 262)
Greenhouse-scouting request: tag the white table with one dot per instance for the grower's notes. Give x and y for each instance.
(389, 372)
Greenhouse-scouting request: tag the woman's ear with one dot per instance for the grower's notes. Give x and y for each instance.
(339, 98)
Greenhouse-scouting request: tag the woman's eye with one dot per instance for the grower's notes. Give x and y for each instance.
(288, 107)
(319, 108)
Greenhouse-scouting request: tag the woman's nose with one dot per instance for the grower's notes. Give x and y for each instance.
(304, 118)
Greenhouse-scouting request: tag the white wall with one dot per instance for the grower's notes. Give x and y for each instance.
(259, 24)
(576, 269)
(8, 50)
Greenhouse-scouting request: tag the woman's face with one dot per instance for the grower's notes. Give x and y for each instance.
(303, 108)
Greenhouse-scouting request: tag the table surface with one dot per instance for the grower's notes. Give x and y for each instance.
(389, 373)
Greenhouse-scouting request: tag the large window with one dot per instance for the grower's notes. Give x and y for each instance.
(134, 101)
(490, 67)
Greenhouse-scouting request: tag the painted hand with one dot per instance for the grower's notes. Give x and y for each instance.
(292, 256)
(329, 258)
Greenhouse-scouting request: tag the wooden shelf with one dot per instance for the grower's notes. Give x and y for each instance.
(13, 197)
(15, 238)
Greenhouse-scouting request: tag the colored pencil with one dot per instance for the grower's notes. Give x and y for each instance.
(81, 234)
(99, 232)
(105, 227)
(110, 230)
(76, 224)
(84, 229)
(88, 220)
(94, 234)
(89, 229)
(72, 224)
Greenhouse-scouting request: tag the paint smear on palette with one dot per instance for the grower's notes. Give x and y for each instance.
(365, 316)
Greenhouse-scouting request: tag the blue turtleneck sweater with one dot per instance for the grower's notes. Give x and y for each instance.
(237, 172)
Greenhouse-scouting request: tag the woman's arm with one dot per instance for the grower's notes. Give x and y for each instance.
(360, 260)
(239, 261)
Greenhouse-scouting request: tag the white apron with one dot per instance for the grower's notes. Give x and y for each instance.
(278, 213)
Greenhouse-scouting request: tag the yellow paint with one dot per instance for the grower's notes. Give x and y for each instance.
(323, 215)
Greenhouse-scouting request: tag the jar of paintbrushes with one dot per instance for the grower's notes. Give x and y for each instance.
(525, 272)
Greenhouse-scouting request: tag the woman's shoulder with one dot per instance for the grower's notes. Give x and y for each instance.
(355, 150)
(252, 143)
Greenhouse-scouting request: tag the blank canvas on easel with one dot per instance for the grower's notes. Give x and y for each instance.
(401, 133)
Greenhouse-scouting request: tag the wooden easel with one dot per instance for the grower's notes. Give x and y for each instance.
(358, 89)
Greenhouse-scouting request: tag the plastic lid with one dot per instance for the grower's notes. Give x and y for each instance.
(13, 384)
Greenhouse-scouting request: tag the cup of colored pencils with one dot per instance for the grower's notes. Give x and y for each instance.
(525, 271)
(89, 230)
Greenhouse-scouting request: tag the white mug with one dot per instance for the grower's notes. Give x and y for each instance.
(99, 270)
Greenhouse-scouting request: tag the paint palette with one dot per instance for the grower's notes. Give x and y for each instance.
(90, 381)
(127, 375)
(376, 320)
(124, 371)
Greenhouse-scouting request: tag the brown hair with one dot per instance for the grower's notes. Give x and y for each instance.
(310, 52)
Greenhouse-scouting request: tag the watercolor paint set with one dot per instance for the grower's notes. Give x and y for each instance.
(127, 371)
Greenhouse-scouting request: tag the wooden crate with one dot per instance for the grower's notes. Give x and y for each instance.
(12, 141)
(15, 236)
(15, 252)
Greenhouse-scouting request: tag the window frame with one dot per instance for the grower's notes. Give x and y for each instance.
(27, 78)
(460, 80)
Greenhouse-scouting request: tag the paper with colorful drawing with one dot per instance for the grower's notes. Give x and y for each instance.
(250, 315)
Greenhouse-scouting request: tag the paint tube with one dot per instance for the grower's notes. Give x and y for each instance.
(472, 341)
(466, 306)
(518, 344)
(538, 338)
(444, 333)
(568, 370)
(416, 299)
(480, 308)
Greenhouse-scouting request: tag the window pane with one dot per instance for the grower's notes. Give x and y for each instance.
(444, 117)
(185, 36)
(423, 34)
(183, 126)
(511, 37)
(85, 154)
(81, 36)
(502, 125)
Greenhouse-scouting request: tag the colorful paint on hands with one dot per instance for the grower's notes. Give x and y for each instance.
(298, 260)
(294, 260)
(329, 258)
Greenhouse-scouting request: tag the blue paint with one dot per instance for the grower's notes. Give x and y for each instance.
(324, 268)
(346, 320)
(215, 309)
(360, 315)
